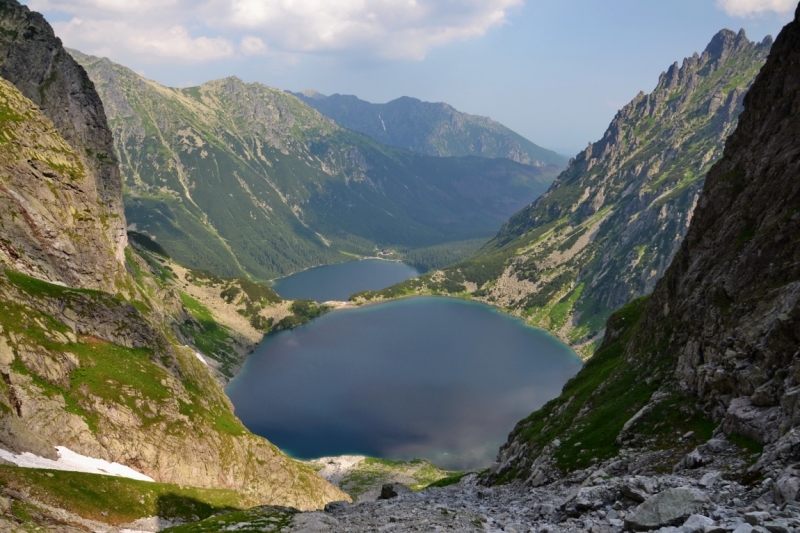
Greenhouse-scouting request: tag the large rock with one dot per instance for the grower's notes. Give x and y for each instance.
(669, 508)
(787, 488)
(638, 488)
(756, 423)
(393, 490)
(697, 523)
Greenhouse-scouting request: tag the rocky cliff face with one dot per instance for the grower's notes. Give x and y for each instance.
(728, 308)
(41, 237)
(609, 226)
(430, 128)
(714, 350)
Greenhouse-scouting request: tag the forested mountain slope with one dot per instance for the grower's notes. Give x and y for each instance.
(716, 344)
(612, 221)
(103, 372)
(430, 128)
(241, 179)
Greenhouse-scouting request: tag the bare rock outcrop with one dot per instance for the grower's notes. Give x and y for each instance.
(61, 191)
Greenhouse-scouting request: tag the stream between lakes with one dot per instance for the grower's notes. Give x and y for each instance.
(437, 378)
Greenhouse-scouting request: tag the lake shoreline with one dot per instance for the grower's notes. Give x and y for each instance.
(435, 377)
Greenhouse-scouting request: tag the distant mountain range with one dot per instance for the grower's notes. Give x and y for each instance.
(242, 179)
(609, 226)
(430, 128)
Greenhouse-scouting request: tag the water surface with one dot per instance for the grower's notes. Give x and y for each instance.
(339, 281)
(437, 378)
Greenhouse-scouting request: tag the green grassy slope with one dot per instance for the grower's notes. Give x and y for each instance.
(113, 500)
(241, 179)
(105, 376)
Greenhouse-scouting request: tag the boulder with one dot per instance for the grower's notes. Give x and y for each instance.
(757, 518)
(669, 508)
(756, 423)
(716, 445)
(393, 490)
(709, 479)
(780, 526)
(697, 523)
(638, 488)
(693, 460)
(787, 488)
(337, 506)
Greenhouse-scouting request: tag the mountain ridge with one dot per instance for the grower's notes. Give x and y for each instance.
(433, 128)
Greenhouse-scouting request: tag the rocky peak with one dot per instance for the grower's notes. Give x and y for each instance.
(726, 42)
(34, 61)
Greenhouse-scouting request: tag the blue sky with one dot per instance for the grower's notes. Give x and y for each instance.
(555, 71)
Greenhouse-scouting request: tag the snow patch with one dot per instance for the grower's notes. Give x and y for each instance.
(197, 354)
(73, 462)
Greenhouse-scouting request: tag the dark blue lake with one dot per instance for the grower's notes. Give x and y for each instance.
(339, 281)
(437, 378)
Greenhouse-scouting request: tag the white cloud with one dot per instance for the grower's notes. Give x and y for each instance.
(164, 29)
(253, 46)
(387, 28)
(159, 44)
(747, 8)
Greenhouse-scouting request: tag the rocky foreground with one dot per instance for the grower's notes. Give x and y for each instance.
(690, 500)
(599, 504)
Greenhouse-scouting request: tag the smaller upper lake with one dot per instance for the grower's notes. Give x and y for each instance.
(339, 281)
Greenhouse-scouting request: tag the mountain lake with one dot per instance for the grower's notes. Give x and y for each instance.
(431, 377)
(339, 281)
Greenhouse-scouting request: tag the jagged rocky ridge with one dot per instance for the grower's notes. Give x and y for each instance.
(41, 232)
(102, 372)
(430, 128)
(611, 222)
(714, 349)
(242, 179)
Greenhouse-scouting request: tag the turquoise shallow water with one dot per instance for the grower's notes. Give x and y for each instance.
(339, 281)
(437, 378)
